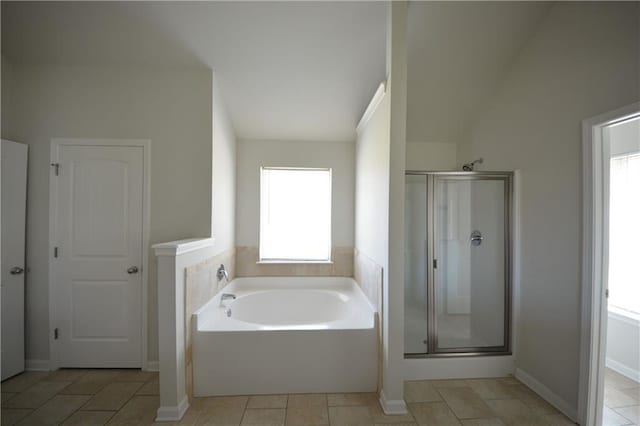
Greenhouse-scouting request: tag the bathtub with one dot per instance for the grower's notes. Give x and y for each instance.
(285, 335)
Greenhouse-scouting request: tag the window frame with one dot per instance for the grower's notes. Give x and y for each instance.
(263, 260)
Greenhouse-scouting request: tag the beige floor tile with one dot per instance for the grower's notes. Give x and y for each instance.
(112, 397)
(307, 400)
(36, 395)
(150, 388)
(510, 380)
(533, 400)
(396, 424)
(55, 410)
(5, 396)
(91, 383)
(632, 413)
(204, 404)
(465, 403)
(614, 398)
(491, 389)
(557, 420)
(342, 416)
(515, 412)
(453, 383)
(135, 375)
(11, 416)
(379, 417)
(22, 381)
(66, 374)
(634, 393)
(351, 399)
(267, 401)
(264, 416)
(89, 418)
(433, 414)
(483, 422)
(611, 418)
(306, 415)
(421, 391)
(221, 415)
(140, 410)
(618, 381)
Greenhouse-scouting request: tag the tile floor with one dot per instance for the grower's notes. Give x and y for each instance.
(621, 400)
(130, 397)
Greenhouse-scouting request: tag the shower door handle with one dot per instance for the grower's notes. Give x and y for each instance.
(476, 238)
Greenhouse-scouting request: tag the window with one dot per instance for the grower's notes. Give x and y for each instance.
(295, 215)
(624, 233)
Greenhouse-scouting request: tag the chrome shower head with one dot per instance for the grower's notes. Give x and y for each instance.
(468, 167)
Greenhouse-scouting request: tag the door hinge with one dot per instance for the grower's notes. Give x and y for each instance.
(55, 252)
(55, 333)
(56, 167)
(606, 293)
(435, 263)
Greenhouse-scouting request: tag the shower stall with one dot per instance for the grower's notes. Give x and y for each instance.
(457, 263)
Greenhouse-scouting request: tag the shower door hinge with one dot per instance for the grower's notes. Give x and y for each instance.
(435, 263)
(56, 167)
(55, 333)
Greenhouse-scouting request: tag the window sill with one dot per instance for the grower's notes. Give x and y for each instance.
(294, 262)
(624, 315)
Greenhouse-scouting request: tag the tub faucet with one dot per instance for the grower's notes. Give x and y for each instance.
(226, 296)
(222, 273)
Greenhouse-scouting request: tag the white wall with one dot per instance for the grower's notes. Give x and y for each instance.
(251, 155)
(431, 156)
(223, 211)
(172, 108)
(623, 345)
(583, 61)
(623, 138)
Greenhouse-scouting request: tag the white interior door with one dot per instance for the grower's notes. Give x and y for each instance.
(14, 204)
(97, 255)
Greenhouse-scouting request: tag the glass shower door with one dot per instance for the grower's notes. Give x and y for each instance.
(470, 263)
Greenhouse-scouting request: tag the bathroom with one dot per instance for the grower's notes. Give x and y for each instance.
(314, 211)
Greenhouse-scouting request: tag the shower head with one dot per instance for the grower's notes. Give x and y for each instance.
(468, 167)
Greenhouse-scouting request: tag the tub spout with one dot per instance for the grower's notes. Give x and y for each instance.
(226, 296)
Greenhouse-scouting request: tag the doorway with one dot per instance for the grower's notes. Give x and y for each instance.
(98, 252)
(457, 263)
(610, 344)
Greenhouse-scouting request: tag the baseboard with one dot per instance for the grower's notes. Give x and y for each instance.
(152, 366)
(37, 365)
(392, 407)
(547, 394)
(173, 413)
(618, 367)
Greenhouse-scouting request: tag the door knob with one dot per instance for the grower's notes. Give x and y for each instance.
(132, 270)
(16, 270)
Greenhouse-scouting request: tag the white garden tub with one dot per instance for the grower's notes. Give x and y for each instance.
(286, 335)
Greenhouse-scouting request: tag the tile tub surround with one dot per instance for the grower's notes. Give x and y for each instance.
(369, 276)
(514, 404)
(201, 284)
(247, 265)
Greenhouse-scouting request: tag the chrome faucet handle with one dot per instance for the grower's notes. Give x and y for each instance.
(222, 273)
(226, 296)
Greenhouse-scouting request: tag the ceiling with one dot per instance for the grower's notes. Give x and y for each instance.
(458, 54)
(291, 70)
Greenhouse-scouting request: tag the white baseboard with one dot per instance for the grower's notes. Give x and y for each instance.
(152, 366)
(393, 406)
(173, 413)
(618, 367)
(37, 365)
(547, 394)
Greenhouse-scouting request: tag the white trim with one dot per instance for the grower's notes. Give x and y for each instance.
(392, 407)
(146, 214)
(373, 105)
(620, 368)
(594, 263)
(179, 247)
(152, 366)
(173, 413)
(626, 317)
(546, 394)
(36, 365)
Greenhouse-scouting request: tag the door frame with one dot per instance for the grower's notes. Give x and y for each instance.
(595, 253)
(56, 143)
